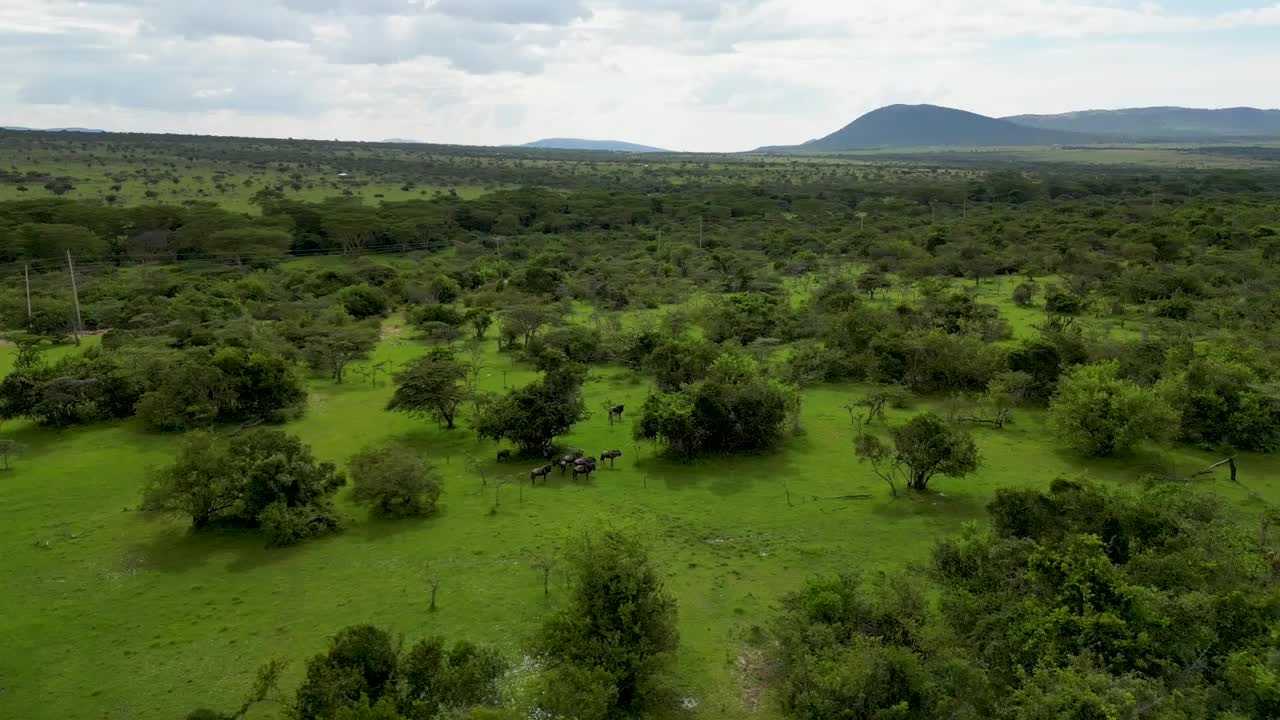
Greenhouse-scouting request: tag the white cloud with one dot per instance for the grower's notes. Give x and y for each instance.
(687, 74)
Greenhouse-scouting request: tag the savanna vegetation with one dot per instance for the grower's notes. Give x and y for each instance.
(320, 430)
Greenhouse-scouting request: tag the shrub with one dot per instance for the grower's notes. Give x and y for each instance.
(363, 301)
(394, 481)
(618, 629)
(1099, 414)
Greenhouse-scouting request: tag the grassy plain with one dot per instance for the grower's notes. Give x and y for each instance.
(114, 614)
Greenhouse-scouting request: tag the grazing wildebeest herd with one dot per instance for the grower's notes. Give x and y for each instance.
(570, 458)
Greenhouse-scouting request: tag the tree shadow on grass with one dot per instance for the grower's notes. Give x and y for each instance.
(936, 507)
(721, 473)
(179, 550)
(373, 528)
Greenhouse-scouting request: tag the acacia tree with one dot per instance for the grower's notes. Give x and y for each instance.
(534, 415)
(431, 386)
(332, 346)
(480, 320)
(525, 320)
(926, 446)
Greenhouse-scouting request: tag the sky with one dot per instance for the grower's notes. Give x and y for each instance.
(696, 75)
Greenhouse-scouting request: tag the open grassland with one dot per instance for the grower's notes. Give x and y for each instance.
(114, 614)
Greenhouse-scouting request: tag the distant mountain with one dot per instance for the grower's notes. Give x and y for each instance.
(900, 126)
(402, 141)
(1163, 123)
(66, 129)
(579, 144)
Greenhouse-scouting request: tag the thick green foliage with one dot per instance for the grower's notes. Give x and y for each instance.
(614, 639)
(430, 386)
(393, 481)
(1220, 404)
(734, 408)
(261, 478)
(1097, 413)
(365, 676)
(1075, 603)
(922, 448)
(534, 415)
(363, 301)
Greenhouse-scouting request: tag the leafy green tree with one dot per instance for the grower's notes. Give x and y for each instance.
(524, 321)
(1099, 414)
(480, 320)
(534, 415)
(745, 317)
(331, 345)
(260, 477)
(871, 282)
(394, 481)
(52, 241)
(431, 386)
(261, 384)
(445, 289)
(676, 363)
(619, 621)
(734, 408)
(363, 301)
(1221, 404)
(926, 446)
(249, 242)
(435, 677)
(360, 664)
(200, 483)
(189, 394)
(847, 650)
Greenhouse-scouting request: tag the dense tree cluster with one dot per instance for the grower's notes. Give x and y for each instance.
(261, 478)
(1075, 602)
(730, 406)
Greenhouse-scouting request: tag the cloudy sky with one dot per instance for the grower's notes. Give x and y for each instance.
(682, 74)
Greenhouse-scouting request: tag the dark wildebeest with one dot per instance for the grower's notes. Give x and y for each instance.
(584, 466)
(569, 459)
(504, 455)
(615, 411)
(541, 472)
(610, 455)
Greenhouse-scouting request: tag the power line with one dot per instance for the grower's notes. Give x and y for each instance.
(222, 258)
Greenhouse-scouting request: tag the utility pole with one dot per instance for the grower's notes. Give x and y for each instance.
(26, 273)
(75, 295)
(699, 232)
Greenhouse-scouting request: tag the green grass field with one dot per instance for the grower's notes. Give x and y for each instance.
(110, 613)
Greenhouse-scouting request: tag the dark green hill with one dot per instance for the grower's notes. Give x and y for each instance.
(1163, 123)
(580, 144)
(899, 126)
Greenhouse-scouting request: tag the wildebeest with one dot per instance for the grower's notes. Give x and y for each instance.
(584, 466)
(539, 472)
(568, 460)
(504, 455)
(615, 411)
(610, 455)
